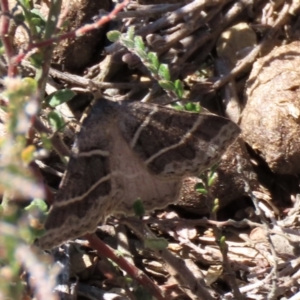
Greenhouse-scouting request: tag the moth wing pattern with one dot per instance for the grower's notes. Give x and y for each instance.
(130, 150)
(84, 194)
(176, 143)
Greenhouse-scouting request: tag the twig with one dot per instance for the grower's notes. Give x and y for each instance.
(250, 58)
(167, 21)
(253, 286)
(84, 82)
(201, 39)
(186, 277)
(266, 226)
(204, 222)
(104, 250)
(55, 138)
(145, 11)
(185, 31)
(6, 38)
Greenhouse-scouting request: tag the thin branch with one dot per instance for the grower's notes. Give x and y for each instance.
(6, 38)
(135, 273)
(185, 276)
(249, 59)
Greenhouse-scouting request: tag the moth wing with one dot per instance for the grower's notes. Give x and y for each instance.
(83, 199)
(176, 143)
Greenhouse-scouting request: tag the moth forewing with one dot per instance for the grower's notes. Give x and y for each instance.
(127, 151)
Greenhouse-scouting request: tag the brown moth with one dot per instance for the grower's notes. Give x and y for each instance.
(127, 151)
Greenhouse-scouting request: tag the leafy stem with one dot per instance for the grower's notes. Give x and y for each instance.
(160, 72)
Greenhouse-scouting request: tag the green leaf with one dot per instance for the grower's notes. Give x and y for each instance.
(200, 188)
(177, 106)
(30, 85)
(25, 3)
(19, 18)
(211, 179)
(37, 59)
(164, 72)
(46, 142)
(139, 43)
(59, 97)
(113, 35)
(216, 201)
(179, 88)
(193, 107)
(35, 13)
(166, 85)
(131, 33)
(37, 204)
(127, 43)
(53, 17)
(216, 205)
(142, 54)
(36, 21)
(55, 120)
(156, 243)
(154, 60)
(153, 70)
(214, 168)
(223, 245)
(138, 208)
(215, 208)
(27, 154)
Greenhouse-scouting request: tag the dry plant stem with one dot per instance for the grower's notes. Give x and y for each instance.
(6, 39)
(123, 243)
(183, 274)
(133, 272)
(214, 32)
(55, 138)
(72, 34)
(266, 227)
(232, 106)
(185, 31)
(288, 284)
(147, 7)
(289, 267)
(48, 169)
(177, 15)
(166, 21)
(52, 20)
(229, 274)
(214, 254)
(63, 14)
(152, 10)
(249, 59)
(227, 270)
(253, 286)
(204, 222)
(81, 81)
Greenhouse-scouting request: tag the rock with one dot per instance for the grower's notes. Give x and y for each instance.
(76, 53)
(271, 118)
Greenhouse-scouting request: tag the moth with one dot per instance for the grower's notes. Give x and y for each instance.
(127, 151)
